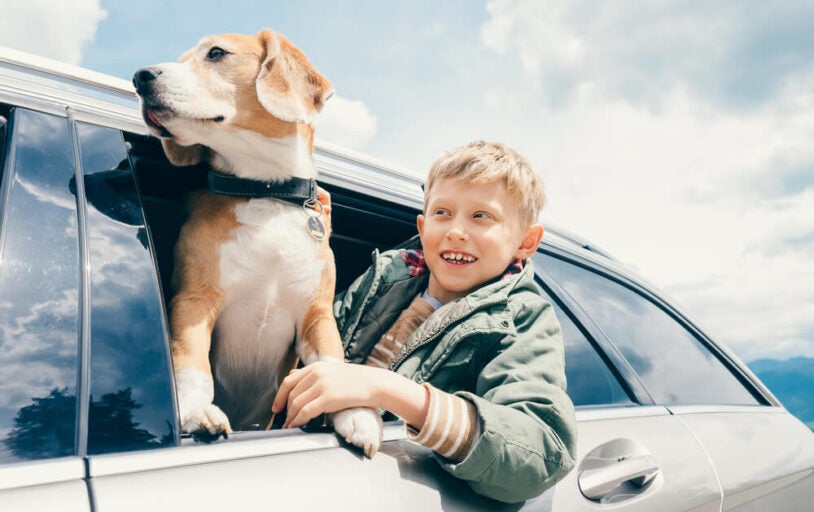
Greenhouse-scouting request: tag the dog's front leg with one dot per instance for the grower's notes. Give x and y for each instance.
(318, 340)
(192, 319)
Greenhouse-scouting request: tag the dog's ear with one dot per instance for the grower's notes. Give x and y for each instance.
(288, 86)
(184, 155)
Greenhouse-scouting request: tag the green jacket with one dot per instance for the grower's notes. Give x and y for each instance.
(499, 347)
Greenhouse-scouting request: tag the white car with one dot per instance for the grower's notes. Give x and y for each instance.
(90, 209)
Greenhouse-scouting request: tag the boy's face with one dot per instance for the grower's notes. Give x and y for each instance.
(470, 234)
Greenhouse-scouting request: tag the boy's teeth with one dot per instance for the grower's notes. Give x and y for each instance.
(456, 256)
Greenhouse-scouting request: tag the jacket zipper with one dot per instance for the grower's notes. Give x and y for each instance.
(406, 351)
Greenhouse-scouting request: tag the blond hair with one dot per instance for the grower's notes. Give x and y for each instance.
(481, 161)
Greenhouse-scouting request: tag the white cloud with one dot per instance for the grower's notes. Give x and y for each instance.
(710, 200)
(346, 123)
(55, 29)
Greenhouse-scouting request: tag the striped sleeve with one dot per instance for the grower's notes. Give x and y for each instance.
(451, 426)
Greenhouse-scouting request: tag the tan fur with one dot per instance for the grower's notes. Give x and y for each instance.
(319, 325)
(195, 276)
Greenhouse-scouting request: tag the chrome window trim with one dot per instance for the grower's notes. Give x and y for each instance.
(60, 69)
(35, 92)
(726, 409)
(39, 472)
(276, 443)
(83, 376)
(591, 413)
(343, 167)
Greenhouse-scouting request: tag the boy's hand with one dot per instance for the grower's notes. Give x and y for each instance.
(326, 387)
(324, 197)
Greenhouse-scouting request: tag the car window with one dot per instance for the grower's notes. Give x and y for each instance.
(674, 365)
(39, 290)
(131, 406)
(590, 381)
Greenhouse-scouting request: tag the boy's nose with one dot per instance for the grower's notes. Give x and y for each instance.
(456, 233)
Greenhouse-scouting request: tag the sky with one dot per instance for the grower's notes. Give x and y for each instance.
(676, 135)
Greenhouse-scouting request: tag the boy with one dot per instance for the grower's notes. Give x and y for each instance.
(452, 335)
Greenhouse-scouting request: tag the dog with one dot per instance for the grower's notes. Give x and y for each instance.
(254, 274)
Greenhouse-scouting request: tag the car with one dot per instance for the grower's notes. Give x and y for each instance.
(90, 208)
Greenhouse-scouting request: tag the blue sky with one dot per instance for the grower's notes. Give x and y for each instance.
(677, 135)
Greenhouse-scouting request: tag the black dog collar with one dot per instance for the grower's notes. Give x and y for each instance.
(293, 190)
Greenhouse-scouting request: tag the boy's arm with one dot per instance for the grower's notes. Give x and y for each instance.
(528, 437)
(450, 427)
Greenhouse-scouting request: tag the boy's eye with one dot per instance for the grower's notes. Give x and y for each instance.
(482, 215)
(441, 211)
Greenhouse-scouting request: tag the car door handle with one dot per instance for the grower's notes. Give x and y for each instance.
(616, 470)
(638, 470)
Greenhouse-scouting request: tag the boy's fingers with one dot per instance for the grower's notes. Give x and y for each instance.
(301, 409)
(324, 197)
(285, 388)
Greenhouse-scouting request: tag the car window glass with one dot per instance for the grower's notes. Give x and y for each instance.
(131, 405)
(590, 381)
(39, 283)
(672, 363)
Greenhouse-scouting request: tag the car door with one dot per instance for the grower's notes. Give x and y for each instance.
(706, 389)
(703, 386)
(40, 350)
(633, 454)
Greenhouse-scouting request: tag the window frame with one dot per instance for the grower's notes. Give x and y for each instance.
(610, 271)
(552, 288)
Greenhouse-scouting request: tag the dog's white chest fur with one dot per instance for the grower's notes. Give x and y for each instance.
(268, 273)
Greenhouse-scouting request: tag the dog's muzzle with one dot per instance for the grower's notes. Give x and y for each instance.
(143, 80)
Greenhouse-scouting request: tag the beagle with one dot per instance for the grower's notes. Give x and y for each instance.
(254, 274)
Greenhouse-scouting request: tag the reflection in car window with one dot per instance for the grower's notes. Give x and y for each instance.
(590, 381)
(674, 365)
(39, 283)
(131, 404)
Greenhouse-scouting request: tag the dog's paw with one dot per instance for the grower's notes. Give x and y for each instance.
(207, 419)
(360, 427)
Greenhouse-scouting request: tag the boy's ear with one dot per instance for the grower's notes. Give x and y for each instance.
(419, 222)
(528, 246)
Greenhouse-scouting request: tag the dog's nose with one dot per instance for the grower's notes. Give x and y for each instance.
(143, 77)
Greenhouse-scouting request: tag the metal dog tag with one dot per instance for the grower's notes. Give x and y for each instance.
(315, 228)
(313, 210)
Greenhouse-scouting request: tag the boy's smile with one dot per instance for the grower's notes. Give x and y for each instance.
(470, 234)
(457, 258)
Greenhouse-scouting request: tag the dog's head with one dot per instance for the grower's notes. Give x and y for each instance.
(229, 86)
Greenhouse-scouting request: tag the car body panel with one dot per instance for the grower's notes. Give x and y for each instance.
(685, 479)
(287, 470)
(55, 485)
(762, 456)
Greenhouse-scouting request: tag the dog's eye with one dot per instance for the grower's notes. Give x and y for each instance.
(216, 53)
